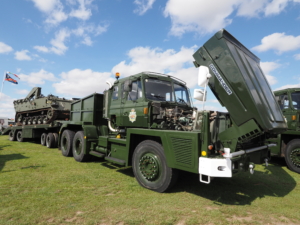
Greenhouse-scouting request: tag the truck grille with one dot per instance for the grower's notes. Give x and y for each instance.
(182, 150)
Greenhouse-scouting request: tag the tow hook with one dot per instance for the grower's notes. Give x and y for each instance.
(266, 161)
(251, 168)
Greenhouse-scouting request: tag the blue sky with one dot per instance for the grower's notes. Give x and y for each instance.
(71, 47)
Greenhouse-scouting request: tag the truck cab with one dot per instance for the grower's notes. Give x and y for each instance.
(149, 100)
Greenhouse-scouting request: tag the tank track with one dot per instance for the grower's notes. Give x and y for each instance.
(41, 116)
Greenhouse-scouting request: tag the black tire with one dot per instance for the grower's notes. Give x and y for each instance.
(79, 148)
(292, 155)
(150, 167)
(12, 136)
(66, 142)
(55, 135)
(50, 140)
(43, 139)
(19, 136)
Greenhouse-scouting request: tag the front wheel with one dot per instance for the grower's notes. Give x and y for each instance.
(79, 148)
(150, 167)
(292, 155)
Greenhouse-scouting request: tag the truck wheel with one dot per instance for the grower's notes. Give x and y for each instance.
(19, 136)
(66, 142)
(55, 135)
(292, 155)
(43, 139)
(79, 147)
(12, 136)
(150, 167)
(50, 141)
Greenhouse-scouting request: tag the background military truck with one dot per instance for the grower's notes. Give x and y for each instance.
(288, 143)
(147, 120)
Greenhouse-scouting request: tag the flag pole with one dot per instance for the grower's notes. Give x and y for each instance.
(2, 84)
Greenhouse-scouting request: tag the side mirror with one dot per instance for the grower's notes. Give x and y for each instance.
(203, 76)
(200, 94)
(128, 85)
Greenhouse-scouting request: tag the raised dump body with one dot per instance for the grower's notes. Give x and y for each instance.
(39, 109)
(239, 84)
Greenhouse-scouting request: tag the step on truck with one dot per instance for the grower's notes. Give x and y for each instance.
(147, 120)
(288, 142)
(39, 117)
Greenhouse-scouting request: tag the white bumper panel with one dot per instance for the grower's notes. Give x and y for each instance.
(215, 167)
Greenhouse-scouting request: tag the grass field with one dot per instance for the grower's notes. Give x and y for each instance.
(40, 186)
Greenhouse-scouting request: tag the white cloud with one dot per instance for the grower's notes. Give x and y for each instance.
(169, 61)
(280, 42)
(22, 91)
(4, 48)
(199, 16)
(79, 83)
(82, 12)
(143, 6)
(41, 48)
(268, 67)
(22, 55)
(7, 106)
(37, 78)
(53, 9)
(204, 17)
(297, 56)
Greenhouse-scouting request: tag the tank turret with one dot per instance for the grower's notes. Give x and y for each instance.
(39, 109)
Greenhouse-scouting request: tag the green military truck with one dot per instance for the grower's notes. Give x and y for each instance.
(147, 120)
(288, 143)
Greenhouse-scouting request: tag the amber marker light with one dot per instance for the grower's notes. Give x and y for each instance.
(210, 147)
(117, 75)
(203, 153)
(294, 117)
(145, 111)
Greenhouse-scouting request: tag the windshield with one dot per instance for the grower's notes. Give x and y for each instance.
(182, 94)
(160, 90)
(296, 100)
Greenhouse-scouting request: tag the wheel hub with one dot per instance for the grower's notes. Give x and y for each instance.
(295, 157)
(149, 167)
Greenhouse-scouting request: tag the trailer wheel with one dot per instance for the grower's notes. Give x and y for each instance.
(292, 155)
(79, 147)
(66, 142)
(43, 139)
(19, 136)
(12, 136)
(50, 141)
(55, 135)
(150, 167)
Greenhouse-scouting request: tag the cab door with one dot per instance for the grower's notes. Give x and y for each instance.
(133, 104)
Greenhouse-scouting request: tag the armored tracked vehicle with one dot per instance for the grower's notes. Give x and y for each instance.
(38, 109)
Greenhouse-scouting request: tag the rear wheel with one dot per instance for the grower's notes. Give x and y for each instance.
(43, 139)
(55, 140)
(50, 141)
(79, 147)
(19, 136)
(66, 142)
(150, 167)
(292, 155)
(12, 135)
